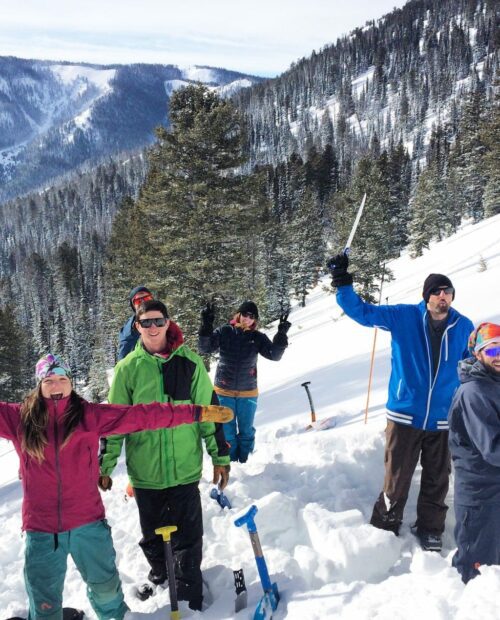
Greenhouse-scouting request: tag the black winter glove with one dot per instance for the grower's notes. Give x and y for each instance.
(207, 320)
(284, 325)
(281, 339)
(338, 267)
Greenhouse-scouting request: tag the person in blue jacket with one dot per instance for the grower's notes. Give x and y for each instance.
(239, 343)
(129, 336)
(474, 420)
(427, 341)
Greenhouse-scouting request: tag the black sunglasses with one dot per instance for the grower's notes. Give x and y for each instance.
(248, 315)
(158, 321)
(447, 290)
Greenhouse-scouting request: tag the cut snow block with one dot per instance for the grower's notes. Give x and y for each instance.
(359, 551)
(277, 520)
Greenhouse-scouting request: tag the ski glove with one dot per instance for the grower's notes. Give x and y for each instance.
(280, 339)
(207, 320)
(338, 267)
(221, 476)
(213, 413)
(284, 325)
(105, 483)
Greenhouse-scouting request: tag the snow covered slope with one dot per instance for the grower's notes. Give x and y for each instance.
(314, 490)
(56, 116)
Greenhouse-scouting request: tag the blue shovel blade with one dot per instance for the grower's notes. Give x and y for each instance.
(220, 498)
(268, 603)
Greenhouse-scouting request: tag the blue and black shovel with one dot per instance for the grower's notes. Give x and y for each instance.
(269, 602)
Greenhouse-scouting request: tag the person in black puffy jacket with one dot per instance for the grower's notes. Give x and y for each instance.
(474, 418)
(239, 343)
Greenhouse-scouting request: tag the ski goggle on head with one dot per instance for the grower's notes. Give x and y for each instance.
(492, 351)
(141, 297)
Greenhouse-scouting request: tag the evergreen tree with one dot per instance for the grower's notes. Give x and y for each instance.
(490, 136)
(306, 247)
(14, 378)
(371, 246)
(200, 213)
(468, 154)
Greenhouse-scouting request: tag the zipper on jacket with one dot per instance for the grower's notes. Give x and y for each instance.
(58, 471)
(432, 382)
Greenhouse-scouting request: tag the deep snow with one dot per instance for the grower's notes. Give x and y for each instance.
(314, 489)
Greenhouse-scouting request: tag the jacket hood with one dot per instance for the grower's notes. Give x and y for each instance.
(471, 369)
(175, 339)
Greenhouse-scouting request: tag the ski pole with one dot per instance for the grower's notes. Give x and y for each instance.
(165, 532)
(271, 595)
(347, 247)
(372, 361)
(305, 385)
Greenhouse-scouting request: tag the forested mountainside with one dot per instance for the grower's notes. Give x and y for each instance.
(391, 80)
(405, 109)
(55, 116)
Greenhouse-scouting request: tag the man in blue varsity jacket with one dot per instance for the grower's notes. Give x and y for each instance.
(427, 340)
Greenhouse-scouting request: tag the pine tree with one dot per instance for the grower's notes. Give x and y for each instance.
(306, 247)
(14, 378)
(490, 136)
(200, 213)
(372, 244)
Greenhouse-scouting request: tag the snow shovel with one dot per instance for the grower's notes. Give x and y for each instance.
(269, 602)
(221, 498)
(323, 425)
(165, 532)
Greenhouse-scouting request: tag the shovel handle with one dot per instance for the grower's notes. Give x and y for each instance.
(248, 519)
(165, 532)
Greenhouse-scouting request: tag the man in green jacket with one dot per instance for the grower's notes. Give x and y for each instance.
(165, 466)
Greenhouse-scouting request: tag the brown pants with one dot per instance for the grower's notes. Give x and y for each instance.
(404, 445)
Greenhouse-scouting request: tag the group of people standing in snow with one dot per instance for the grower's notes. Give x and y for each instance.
(164, 408)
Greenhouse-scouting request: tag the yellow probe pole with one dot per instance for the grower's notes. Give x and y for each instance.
(373, 350)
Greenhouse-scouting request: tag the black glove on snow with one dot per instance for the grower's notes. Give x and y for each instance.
(338, 266)
(207, 320)
(284, 325)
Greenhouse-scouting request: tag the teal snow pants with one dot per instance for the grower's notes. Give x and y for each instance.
(240, 431)
(91, 548)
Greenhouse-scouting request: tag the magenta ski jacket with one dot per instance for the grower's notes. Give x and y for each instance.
(61, 492)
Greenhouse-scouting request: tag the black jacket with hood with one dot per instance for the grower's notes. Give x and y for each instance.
(474, 420)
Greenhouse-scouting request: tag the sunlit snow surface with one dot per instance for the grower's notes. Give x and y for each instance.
(314, 490)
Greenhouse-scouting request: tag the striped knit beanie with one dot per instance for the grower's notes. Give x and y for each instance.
(482, 336)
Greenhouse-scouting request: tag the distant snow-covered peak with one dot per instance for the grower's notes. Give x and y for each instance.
(173, 85)
(229, 89)
(199, 74)
(69, 74)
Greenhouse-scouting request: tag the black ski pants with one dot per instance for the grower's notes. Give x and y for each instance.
(180, 506)
(404, 446)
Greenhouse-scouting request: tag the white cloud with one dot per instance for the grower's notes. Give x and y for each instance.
(262, 36)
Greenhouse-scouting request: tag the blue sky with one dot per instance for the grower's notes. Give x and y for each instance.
(262, 37)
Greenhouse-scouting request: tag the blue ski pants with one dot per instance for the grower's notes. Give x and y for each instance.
(91, 548)
(240, 432)
(477, 534)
